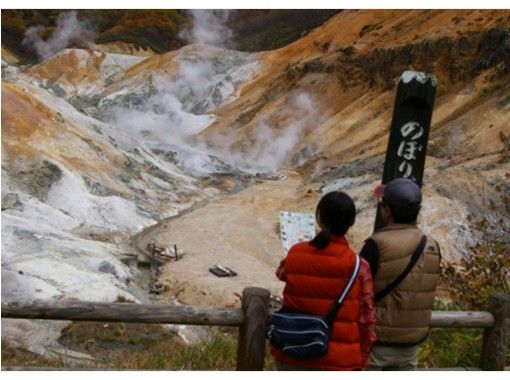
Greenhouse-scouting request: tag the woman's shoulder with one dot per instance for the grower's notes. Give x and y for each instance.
(302, 246)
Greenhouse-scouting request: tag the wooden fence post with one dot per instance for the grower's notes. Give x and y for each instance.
(252, 333)
(497, 338)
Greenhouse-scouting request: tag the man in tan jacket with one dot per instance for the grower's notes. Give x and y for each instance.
(403, 308)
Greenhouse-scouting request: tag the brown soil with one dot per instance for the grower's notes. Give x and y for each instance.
(206, 236)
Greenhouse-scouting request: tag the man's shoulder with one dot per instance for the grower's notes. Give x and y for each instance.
(400, 229)
(395, 231)
(395, 234)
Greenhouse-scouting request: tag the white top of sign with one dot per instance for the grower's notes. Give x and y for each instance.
(408, 76)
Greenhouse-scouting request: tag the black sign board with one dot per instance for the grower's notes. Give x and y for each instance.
(409, 133)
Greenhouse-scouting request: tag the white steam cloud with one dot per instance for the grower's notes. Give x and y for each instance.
(168, 121)
(68, 30)
(171, 118)
(209, 27)
(268, 145)
(176, 111)
(165, 120)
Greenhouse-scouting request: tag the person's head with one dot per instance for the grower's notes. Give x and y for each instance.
(401, 201)
(335, 214)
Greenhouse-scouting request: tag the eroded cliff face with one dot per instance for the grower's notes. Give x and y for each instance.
(96, 146)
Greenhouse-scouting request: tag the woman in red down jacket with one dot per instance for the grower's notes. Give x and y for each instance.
(315, 273)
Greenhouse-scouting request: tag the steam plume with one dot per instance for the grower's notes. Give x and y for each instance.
(68, 30)
(209, 27)
(171, 118)
(270, 144)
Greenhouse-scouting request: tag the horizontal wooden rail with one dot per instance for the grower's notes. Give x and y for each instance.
(482, 319)
(126, 312)
(190, 315)
(252, 320)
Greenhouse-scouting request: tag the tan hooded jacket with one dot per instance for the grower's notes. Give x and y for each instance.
(404, 314)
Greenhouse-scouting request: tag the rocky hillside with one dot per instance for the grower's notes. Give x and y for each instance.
(100, 143)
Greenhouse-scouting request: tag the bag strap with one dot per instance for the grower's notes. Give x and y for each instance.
(339, 301)
(417, 253)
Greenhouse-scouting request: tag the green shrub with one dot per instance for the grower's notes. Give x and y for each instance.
(219, 352)
(484, 272)
(447, 348)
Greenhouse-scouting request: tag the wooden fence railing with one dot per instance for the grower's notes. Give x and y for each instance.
(252, 321)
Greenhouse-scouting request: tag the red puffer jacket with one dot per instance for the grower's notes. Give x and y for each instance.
(314, 279)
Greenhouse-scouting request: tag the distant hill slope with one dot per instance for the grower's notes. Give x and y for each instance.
(155, 29)
(159, 29)
(259, 30)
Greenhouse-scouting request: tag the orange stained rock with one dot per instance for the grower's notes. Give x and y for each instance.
(32, 130)
(22, 115)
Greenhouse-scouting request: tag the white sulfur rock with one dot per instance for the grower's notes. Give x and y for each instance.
(110, 214)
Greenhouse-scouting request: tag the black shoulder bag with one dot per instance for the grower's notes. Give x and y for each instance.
(416, 255)
(306, 336)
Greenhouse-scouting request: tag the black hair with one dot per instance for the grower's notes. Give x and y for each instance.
(403, 215)
(336, 212)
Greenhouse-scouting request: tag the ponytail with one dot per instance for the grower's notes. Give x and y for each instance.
(321, 240)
